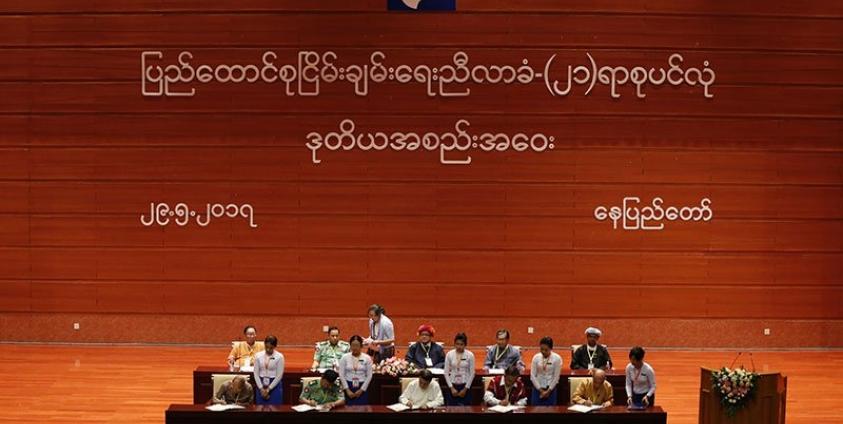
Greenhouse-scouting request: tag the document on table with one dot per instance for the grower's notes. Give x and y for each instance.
(398, 407)
(437, 371)
(303, 408)
(584, 409)
(218, 408)
(504, 409)
(495, 371)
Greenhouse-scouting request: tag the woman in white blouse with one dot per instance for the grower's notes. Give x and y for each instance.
(459, 372)
(544, 374)
(269, 370)
(355, 373)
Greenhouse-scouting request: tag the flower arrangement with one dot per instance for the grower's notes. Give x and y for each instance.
(396, 367)
(735, 387)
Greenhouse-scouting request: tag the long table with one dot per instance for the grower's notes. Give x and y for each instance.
(195, 414)
(384, 389)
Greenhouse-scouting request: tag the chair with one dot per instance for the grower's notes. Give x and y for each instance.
(219, 379)
(306, 380)
(577, 346)
(441, 344)
(237, 342)
(574, 384)
(405, 381)
(520, 349)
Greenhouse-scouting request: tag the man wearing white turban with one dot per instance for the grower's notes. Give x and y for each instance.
(592, 354)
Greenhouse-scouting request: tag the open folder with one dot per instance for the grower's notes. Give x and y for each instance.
(504, 409)
(583, 408)
(219, 407)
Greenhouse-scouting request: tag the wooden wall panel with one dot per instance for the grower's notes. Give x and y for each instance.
(263, 164)
(561, 301)
(82, 155)
(733, 68)
(804, 8)
(277, 130)
(440, 30)
(105, 97)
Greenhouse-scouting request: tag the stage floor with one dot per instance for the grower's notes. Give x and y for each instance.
(103, 384)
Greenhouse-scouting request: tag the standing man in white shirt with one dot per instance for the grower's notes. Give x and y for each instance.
(381, 339)
(423, 392)
(544, 374)
(459, 372)
(269, 370)
(640, 380)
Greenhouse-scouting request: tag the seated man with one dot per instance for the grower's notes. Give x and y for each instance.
(507, 389)
(243, 353)
(235, 391)
(502, 355)
(329, 352)
(325, 392)
(423, 392)
(425, 353)
(592, 354)
(595, 391)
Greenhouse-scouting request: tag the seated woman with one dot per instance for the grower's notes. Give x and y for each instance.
(425, 353)
(236, 391)
(640, 380)
(459, 372)
(544, 374)
(269, 370)
(325, 392)
(243, 353)
(506, 389)
(423, 392)
(356, 373)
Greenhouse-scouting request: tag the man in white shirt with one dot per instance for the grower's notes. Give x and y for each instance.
(423, 393)
(640, 380)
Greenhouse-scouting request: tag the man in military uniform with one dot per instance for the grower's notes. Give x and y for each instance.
(329, 352)
(325, 392)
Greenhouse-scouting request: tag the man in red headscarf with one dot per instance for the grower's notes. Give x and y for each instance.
(425, 353)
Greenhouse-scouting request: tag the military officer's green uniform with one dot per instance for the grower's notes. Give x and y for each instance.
(327, 356)
(314, 391)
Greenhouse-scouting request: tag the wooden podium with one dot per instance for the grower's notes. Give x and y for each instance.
(767, 407)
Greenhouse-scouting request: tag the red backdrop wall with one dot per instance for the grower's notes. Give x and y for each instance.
(509, 240)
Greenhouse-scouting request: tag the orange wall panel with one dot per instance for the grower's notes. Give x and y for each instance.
(509, 240)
